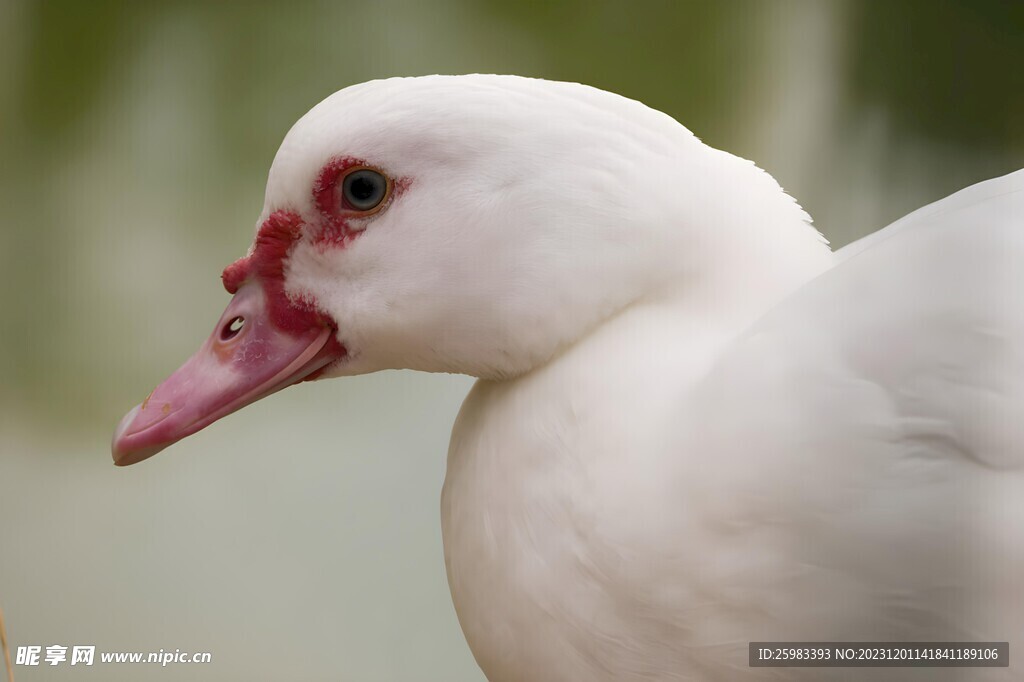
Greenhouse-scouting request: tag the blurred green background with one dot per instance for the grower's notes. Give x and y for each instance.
(299, 539)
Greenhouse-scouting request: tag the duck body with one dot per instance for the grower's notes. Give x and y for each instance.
(777, 480)
(694, 426)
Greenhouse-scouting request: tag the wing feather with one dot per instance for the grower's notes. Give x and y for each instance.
(866, 438)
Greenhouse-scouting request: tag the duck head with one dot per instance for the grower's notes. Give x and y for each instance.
(470, 224)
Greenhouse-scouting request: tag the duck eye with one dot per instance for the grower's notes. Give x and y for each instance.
(364, 189)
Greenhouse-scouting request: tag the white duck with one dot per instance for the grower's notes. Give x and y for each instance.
(695, 427)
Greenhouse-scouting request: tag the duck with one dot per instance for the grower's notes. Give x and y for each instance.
(694, 426)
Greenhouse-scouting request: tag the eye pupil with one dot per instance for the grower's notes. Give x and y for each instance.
(364, 189)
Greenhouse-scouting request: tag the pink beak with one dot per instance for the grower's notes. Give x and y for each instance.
(245, 359)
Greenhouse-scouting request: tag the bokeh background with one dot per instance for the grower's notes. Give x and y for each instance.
(300, 539)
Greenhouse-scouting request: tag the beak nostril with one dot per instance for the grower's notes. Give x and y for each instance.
(232, 328)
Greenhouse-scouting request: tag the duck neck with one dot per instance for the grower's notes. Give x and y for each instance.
(681, 327)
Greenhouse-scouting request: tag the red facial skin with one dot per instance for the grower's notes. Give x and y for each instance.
(336, 212)
(282, 340)
(274, 241)
(265, 265)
